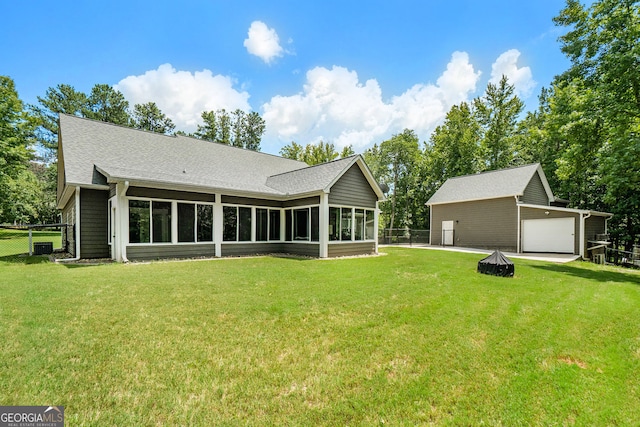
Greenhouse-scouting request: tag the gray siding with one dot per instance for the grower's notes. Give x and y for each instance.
(112, 190)
(240, 249)
(93, 224)
(348, 249)
(488, 224)
(304, 249)
(68, 217)
(594, 225)
(301, 202)
(151, 252)
(233, 200)
(535, 193)
(156, 193)
(353, 189)
(532, 213)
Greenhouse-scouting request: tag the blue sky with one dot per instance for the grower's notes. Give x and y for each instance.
(345, 72)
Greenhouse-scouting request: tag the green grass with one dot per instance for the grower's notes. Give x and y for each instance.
(16, 242)
(415, 337)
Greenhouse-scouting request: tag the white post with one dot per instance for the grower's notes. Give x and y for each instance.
(30, 241)
(218, 224)
(375, 225)
(324, 225)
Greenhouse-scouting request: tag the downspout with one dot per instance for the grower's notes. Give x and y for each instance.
(519, 238)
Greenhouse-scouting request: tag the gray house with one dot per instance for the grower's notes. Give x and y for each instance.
(512, 210)
(133, 195)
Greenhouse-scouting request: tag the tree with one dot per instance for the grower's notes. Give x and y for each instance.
(61, 99)
(108, 105)
(238, 128)
(149, 117)
(497, 112)
(397, 161)
(454, 148)
(314, 154)
(16, 137)
(602, 44)
(254, 129)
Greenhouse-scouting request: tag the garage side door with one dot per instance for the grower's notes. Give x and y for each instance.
(548, 235)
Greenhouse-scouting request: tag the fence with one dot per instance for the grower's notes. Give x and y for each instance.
(33, 239)
(403, 236)
(624, 258)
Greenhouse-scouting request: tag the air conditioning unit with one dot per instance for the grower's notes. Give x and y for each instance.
(42, 248)
(598, 258)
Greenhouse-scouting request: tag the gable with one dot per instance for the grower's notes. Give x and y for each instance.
(353, 189)
(535, 193)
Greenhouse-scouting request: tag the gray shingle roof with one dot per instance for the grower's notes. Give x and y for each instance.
(123, 153)
(486, 185)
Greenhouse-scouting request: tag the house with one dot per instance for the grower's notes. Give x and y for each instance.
(136, 195)
(512, 210)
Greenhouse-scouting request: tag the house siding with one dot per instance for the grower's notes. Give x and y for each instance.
(248, 201)
(304, 249)
(353, 189)
(69, 217)
(349, 249)
(156, 193)
(488, 224)
(533, 213)
(112, 190)
(301, 202)
(152, 252)
(535, 193)
(93, 222)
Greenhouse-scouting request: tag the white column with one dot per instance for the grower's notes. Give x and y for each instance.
(121, 239)
(77, 201)
(324, 225)
(376, 214)
(218, 224)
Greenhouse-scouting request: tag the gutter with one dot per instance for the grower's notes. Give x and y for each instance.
(583, 218)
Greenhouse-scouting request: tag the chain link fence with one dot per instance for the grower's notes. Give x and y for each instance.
(403, 236)
(20, 241)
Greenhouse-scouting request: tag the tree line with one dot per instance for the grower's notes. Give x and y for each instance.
(585, 132)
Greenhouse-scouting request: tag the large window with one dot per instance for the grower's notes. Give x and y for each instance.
(237, 224)
(195, 221)
(139, 221)
(262, 224)
(351, 224)
(150, 221)
(302, 224)
(274, 225)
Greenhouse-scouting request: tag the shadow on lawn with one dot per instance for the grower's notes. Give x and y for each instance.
(24, 259)
(595, 275)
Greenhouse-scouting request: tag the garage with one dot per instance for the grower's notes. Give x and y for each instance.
(548, 235)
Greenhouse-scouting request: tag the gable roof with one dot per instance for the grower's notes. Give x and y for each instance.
(489, 185)
(145, 158)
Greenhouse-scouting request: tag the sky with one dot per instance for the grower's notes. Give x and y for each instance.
(345, 72)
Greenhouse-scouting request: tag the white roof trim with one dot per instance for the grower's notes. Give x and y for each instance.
(560, 209)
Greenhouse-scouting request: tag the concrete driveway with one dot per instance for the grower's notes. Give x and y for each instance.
(557, 258)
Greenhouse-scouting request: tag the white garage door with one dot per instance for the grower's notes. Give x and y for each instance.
(548, 235)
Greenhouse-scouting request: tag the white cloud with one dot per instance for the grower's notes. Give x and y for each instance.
(336, 107)
(183, 95)
(263, 42)
(507, 65)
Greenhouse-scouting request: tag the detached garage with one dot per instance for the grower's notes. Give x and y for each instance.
(511, 210)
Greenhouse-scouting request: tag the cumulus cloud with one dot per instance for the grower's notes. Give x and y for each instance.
(336, 107)
(263, 42)
(183, 95)
(507, 65)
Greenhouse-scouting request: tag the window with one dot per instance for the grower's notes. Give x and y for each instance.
(358, 229)
(186, 222)
(161, 215)
(237, 224)
(370, 232)
(334, 223)
(345, 220)
(262, 224)
(139, 220)
(205, 223)
(347, 224)
(230, 229)
(274, 225)
(301, 224)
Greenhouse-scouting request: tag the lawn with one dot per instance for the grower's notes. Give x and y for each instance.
(414, 337)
